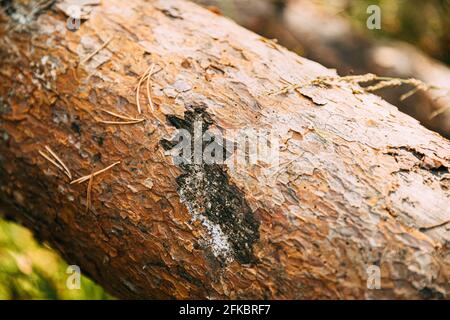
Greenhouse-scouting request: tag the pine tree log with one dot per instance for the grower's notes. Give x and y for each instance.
(320, 33)
(358, 184)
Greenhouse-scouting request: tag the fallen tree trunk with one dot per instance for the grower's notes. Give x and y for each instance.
(358, 185)
(318, 32)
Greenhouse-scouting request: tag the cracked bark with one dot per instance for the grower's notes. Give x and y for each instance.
(359, 183)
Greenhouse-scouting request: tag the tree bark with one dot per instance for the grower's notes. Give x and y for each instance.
(359, 185)
(317, 32)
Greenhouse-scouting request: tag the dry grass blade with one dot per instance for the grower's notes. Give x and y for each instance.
(384, 84)
(435, 226)
(381, 82)
(438, 112)
(89, 57)
(409, 93)
(85, 178)
(286, 89)
(66, 169)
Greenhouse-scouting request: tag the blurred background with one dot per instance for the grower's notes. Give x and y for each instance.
(414, 41)
(424, 24)
(29, 270)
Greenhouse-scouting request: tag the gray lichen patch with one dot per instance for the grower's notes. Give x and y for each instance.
(215, 201)
(45, 71)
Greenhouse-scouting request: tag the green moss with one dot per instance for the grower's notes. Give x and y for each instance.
(29, 270)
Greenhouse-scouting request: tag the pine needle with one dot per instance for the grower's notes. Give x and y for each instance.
(89, 193)
(147, 75)
(409, 93)
(139, 87)
(57, 162)
(128, 120)
(148, 87)
(89, 57)
(120, 122)
(66, 169)
(120, 116)
(51, 160)
(85, 178)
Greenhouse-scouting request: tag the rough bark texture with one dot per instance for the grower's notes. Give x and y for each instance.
(359, 183)
(321, 34)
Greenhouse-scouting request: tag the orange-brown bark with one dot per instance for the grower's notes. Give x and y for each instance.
(358, 183)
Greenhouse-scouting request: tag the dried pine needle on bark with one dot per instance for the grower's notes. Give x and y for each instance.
(66, 169)
(90, 178)
(89, 57)
(120, 122)
(57, 162)
(138, 88)
(50, 160)
(149, 97)
(127, 119)
(117, 115)
(89, 193)
(86, 178)
(149, 74)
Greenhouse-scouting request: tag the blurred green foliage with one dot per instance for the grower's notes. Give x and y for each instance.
(425, 24)
(29, 270)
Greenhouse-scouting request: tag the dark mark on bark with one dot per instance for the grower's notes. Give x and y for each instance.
(424, 162)
(97, 157)
(75, 126)
(214, 200)
(99, 139)
(186, 276)
(5, 108)
(169, 11)
(7, 6)
(430, 293)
